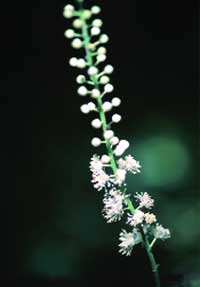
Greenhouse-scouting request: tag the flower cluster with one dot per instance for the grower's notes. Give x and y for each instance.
(143, 222)
(114, 202)
(109, 171)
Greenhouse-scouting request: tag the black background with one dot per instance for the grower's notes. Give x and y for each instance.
(153, 50)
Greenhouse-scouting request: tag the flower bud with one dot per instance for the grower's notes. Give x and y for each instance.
(116, 102)
(95, 31)
(91, 106)
(116, 118)
(92, 71)
(108, 69)
(77, 23)
(80, 79)
(85, 109)
(96, 142)
(69, 33)
(105, 159)
(95, 10)
(81, 63)
(97, 23)
(108, 88)
(104, 80)
(73, 62)
(96, 123)
(77, 43)
(108, 134)
(104, 38)
(82, 91)
(95, 93)
(107, 106)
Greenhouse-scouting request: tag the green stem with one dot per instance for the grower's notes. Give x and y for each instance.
(154, 265)
(94, 79)
(102, 115)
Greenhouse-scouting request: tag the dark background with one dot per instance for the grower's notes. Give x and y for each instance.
(61, 237)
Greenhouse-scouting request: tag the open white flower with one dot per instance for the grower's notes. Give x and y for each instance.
(150, 218)
(136, 218)
(99, 176)
(113, 205)
(129, 164)
(128, 241)
(161, 233)
(100, 180)
(144, 200)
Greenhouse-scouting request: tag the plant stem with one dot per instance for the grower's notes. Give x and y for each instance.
(154, 265)
(89, 57)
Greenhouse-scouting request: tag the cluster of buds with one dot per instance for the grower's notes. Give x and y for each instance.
(109, 170)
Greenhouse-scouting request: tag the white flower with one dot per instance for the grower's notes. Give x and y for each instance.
(128, 241)
(108, 134)
(114, 140)
(144, 200)
(161, 233)
(96, 165)
(116, 102)
(104, 80)
(73, 62)
(150, 218)
(104, 38)
(77, 23)
(129, 164)
(95, 93)
(132, 165)
(77, 43)
(69, 33)
(85, 109)
(120, 176)
(99, 177)
(80, 79)
(96, 142)
(95, 31)
(113, 205)
(105, 159)
(97, 23)
(100, 180)
(107, 106)
(108, 69)
(81, 63)
(136, 218)
(116, 118)
(92, 71)
(108, 88)
(82, 91)
(96, 123)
